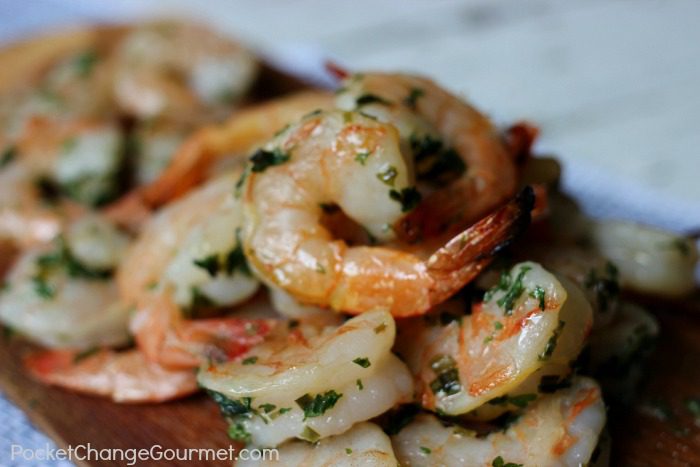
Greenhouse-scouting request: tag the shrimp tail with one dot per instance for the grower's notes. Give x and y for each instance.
(467, 254)
(125, 377)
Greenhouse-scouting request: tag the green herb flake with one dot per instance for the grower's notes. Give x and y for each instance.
(309, 434)
(693, 406)
(284, 410)
(367, 99)
(42, 288)
(380, 328)
(8, 155)
(409, 198)
(359, 384)
(388, 176)
(267, 408)
(412, 99)
(85, 354)
(499, 462)
(315, 406)
(85, 63)
(507, 301)
(250, 360)
(680, 244)
(447, 383)
(236, 260)
(262, 159)
(551, 343)
(348, 451)
(209, 263)
(231, 407)
(498, 325)
(238, 432)
(425, 450)
(539, 294)
(605, 286)
(363, 362)
(361, 157)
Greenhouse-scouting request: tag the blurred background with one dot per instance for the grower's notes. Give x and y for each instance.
(614, 85)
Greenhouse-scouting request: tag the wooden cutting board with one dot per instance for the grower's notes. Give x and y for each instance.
(638, 438)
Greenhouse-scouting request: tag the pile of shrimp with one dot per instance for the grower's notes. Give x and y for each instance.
(376, 276)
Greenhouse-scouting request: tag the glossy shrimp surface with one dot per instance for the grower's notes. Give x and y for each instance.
(61, 295)
(560, 429)
(355, 162)
(365, 444)
(311, 384)
(454, 147)
(507, 338)
(180, 69)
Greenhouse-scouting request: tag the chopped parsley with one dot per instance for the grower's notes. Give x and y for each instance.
(231, 407)
(237, 432)
(284, 410)
(240, 182)
(388, 176)
(434, 162)
(361, 157)
(539, 294)
(520, 401)
(235, 259)
(425, 450)
(348, 451)
(447, 381)
(250, 360)
(409, 198)
(499, 462)
(315, 406)
(8, 155)
(551, 343)
(267, 408)
(62, 257)
(498, 325)
(309, 434)
(513, 290)
(363, 362)
(360, 386)
(366, 99)
(209, 263)
(605, 286)
(411, 100)
(400, 417)
(85, 62)
(85, 354)
(380, 328)
(42, 288)
(262, 159)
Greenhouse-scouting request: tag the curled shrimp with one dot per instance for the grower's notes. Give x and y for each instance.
(364, 444)
(242, 131)
(61, 295)
(180, 69)
(561, 429)
(455, 148)
(354, 161)
(526, 328)
(311, 384)
(124, 377)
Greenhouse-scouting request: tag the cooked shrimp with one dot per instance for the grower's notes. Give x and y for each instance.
(180, 69)
(619, 350)
(354, 161)
(650, 260)
(125, 377)
(244, 130)
(453, 145)
(561, 429)
(507, 338)
(61, 296)
(309, 384)
(192, 247)
(363, 445)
